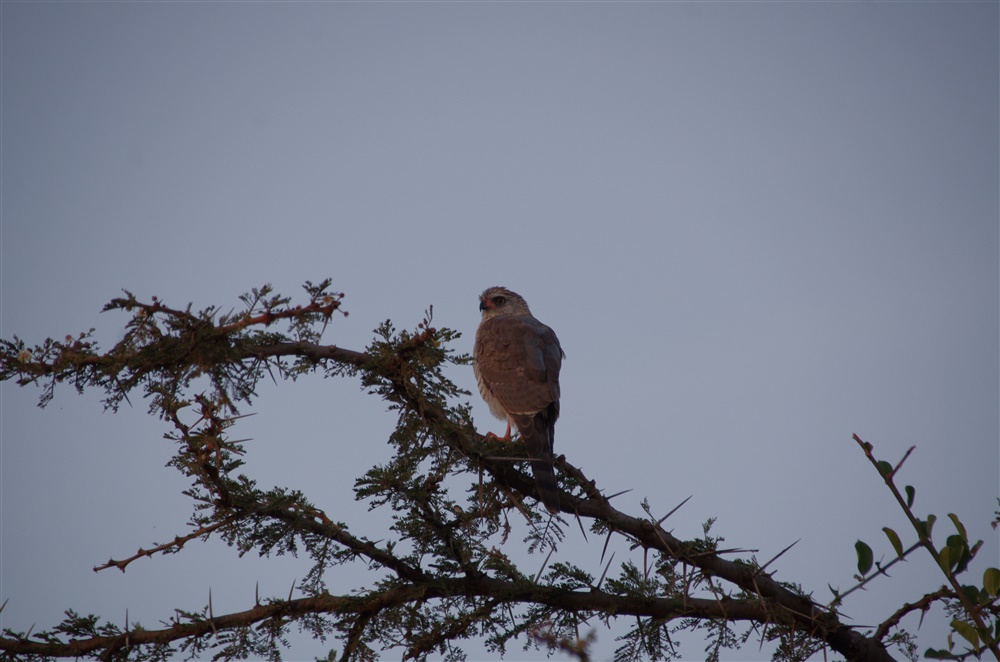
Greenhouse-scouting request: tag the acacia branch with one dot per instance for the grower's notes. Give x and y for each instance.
(495, 590)
(177, 543)
(396, 370)
(332, 531)
(800, 609)
(309, 350)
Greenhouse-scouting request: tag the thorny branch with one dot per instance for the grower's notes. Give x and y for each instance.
(176, 544)
(481, 587)
(923, 604)
(233, 354)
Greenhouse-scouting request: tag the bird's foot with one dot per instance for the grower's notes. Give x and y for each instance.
(505, 438)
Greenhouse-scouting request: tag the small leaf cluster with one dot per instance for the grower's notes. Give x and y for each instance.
(975, 608)
(165, 350)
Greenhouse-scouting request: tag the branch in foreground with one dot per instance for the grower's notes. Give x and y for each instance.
(594, 601)
(166, 348)
(799, 609)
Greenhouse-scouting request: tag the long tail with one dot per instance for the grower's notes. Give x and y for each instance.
(538, 433)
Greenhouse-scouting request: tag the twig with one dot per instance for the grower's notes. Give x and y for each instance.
(923, 604)
(177, 542)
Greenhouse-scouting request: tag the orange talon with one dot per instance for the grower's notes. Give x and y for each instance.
(506, 437)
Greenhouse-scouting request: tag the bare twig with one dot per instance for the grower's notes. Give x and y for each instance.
(923, 604)
(177, 543)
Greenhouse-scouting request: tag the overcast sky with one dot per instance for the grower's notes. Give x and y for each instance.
(757, 228)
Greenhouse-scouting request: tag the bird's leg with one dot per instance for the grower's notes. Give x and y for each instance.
(506, 437)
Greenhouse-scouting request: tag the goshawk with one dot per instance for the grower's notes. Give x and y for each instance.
(516, 359)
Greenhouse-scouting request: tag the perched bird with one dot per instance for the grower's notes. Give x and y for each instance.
(516, 359)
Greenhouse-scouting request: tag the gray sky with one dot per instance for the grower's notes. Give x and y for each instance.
(757, 228)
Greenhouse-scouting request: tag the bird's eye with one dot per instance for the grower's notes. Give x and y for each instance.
(499, 300)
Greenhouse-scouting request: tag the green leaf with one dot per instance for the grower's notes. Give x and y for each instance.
(894, 540)
(865, 557)
(958, 526)
(967, 631)
(910, 494)
(957, 541)
(959, 554)
(884, 468)
(944, 560)
(991, 581)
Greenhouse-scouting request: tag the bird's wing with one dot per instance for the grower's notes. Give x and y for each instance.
(518, 359)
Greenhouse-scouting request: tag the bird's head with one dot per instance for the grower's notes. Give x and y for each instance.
(497, 301)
